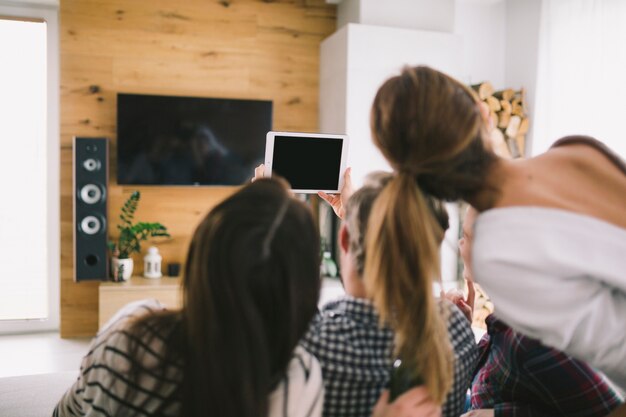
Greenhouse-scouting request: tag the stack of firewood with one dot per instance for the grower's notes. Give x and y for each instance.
(508, 129)
(509, 119)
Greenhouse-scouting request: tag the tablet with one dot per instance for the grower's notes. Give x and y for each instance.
(310, 162)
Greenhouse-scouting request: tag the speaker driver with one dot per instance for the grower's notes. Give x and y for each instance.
(91, 164)
(90, 194)
(91, 260)
(91, 225)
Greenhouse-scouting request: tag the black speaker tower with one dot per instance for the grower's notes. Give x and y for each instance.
(90, 208)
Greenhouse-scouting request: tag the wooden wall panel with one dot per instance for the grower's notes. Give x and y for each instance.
(255, 49)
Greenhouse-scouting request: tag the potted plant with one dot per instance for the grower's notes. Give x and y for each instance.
(130, 238)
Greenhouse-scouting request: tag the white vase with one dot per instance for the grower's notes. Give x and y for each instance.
(125, 266)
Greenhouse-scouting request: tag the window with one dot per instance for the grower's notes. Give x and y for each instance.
(29, 165)
(580, 79)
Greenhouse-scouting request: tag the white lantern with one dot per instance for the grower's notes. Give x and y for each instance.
(152, 263)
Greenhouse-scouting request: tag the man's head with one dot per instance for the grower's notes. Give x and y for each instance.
(354, 228)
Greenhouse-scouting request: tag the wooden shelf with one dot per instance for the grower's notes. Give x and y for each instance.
(138, 283)
(115, 295)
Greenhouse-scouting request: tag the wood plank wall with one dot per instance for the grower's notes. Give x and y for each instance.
(208, 48)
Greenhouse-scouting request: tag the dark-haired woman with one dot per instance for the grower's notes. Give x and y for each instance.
(550, 242)
(250, 290)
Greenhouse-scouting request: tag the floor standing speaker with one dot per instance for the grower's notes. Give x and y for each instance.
(90, 208)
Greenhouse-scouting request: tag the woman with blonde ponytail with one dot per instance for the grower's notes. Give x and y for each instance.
(402, 243)
(549, 242)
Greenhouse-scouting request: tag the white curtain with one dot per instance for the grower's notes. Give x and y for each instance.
(581, 79)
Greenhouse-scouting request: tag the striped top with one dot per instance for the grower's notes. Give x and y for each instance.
(104, 387)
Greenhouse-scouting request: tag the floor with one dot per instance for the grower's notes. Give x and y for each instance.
(40, 353)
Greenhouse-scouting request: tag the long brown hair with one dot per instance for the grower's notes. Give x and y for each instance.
(430, 129)
(250, 290)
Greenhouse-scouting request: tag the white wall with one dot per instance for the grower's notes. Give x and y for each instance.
(522, 51)
(500, 44)
(436, 15)
(53, 3)
(333, 83)
(482, 25)
(500, 37)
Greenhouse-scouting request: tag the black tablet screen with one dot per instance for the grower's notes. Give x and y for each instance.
(308, 163)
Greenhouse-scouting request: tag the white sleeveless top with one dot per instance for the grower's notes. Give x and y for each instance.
(559, 277)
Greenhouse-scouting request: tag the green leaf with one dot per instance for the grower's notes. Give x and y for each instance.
(130, 235)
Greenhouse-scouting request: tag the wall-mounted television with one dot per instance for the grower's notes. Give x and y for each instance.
(170, 140)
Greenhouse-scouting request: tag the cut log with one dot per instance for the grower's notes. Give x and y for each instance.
(515, 153)
(513, 127)
(499, 144)
(493, 120)
(484, 90)
(523, 126)
(522, 95)
(504, 120)
(521, 144)
(493, 103)
(506, 106)
(518, 109)
(504, 94)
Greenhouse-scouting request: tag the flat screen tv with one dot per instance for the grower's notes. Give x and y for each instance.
(168, 140)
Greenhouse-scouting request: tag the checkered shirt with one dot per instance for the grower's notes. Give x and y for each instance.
(356, 356)
(518, 376)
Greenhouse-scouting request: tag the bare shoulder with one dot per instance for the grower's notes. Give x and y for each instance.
(582, 178)
(576, 176)
(588, 154)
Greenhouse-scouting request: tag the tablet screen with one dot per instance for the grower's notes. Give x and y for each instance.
(308, 163)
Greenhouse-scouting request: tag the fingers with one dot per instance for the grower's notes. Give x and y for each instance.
(413, 397)
(384, 399)
(347, 177)
(413, 403)
(259, 172)
(466, 310)
(326, 197)
(346, 188)
(471, 294)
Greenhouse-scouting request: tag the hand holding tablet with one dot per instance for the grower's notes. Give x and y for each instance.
(338, 201)
(310, 162)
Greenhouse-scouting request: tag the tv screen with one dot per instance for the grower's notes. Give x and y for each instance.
(167, 140)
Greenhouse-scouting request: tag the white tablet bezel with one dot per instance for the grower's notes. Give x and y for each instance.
(269, 155)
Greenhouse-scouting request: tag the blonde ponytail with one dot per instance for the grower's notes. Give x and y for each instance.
(402, 260)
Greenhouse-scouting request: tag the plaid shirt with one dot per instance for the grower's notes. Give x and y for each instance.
(356, 356)
(518, 376)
